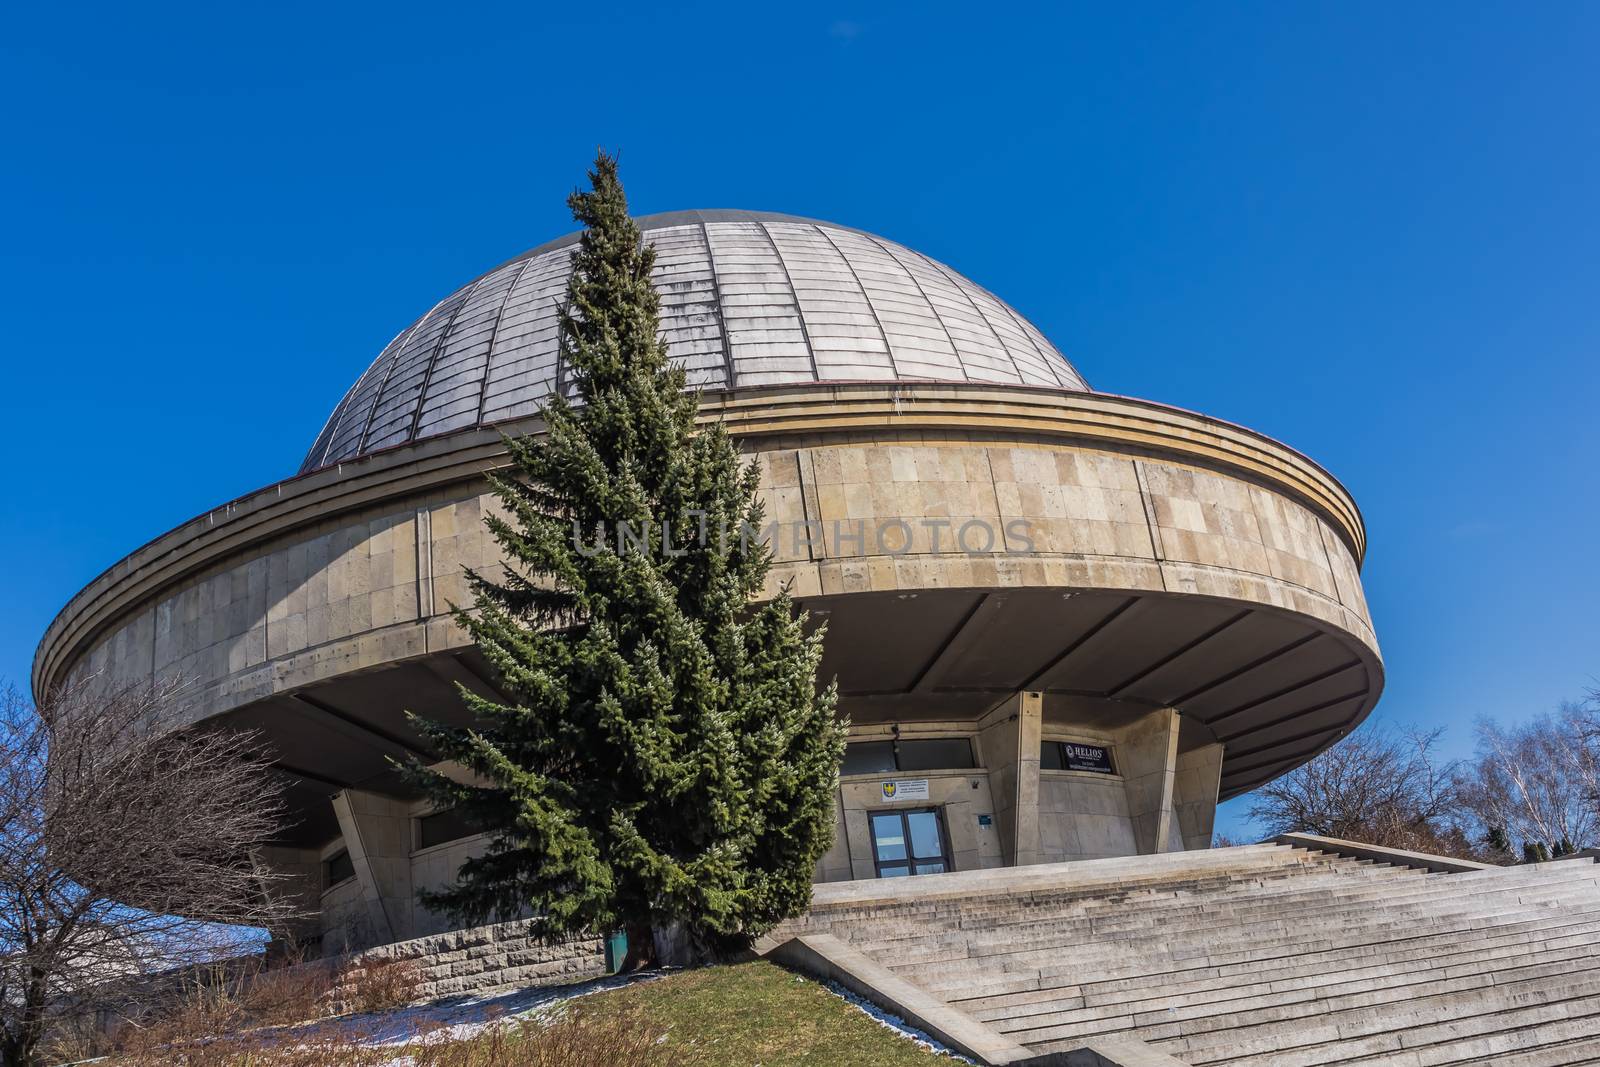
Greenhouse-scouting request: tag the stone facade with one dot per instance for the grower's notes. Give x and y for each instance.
(1035, 522)
(1086, 518)
(1009, 812)
(375, 586)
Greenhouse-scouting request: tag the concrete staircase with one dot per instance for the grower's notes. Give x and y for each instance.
(1259, 955)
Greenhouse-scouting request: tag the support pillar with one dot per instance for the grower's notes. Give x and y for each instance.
(1009, 735)
(377, 834)
(299, 882)
(1199, 780)
(1147, 751)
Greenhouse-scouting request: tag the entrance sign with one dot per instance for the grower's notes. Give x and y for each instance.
(1076, 757)
(906, 789)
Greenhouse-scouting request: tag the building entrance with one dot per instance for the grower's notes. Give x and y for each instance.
(909, 842)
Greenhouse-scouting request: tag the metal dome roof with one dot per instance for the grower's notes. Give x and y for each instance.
(747, 298)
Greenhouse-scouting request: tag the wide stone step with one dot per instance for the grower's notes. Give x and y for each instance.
(1146, 976)
(995, 921)
(1475, 1039)
(1090, 891)
(1187, 993)
(954, 911)
(1103, 963)
(1539, 1053)
(1180, 914)
(1178, 939)
(1301, 1040)
(1356, 898)
(1257, 957)
(925, 944)
(1297, 1005)
(1107, 874)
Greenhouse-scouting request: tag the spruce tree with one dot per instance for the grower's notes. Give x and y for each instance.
(662, 754)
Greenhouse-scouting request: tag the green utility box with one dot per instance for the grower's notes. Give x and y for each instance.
(616, 950)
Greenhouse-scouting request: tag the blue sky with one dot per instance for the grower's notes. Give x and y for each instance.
(1370, 231)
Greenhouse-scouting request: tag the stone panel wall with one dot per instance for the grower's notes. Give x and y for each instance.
(1160, 799)
(1092, 518)
(486, 959)
(435, 868)
(345, 925)
(1084, 816)
(372, 586)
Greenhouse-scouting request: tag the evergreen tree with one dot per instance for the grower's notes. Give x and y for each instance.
(662, 754)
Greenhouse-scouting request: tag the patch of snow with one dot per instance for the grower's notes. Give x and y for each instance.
(466, 1017)
(893, 1022)
(456, 1018)
(461, 1018)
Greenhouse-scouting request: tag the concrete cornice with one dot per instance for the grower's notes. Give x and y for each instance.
(1099, 419)
(857, 411)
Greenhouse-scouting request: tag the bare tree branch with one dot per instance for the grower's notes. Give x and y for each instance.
(1380, 786)
(1537, 782)
(126, 850)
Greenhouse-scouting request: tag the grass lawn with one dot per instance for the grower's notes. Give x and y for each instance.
(740, 1015)
(758, 1013)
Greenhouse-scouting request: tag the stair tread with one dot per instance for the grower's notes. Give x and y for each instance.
(1262, 956)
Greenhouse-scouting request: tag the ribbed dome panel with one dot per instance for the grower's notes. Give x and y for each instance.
(747, 298)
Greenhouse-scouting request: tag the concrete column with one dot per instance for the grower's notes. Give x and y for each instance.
(301, 884)
(377, 834)
(1009, 738)
(858, 843)
(1198, 780)
(1147, 753)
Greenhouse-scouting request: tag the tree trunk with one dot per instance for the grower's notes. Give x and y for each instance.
(641, 948)
(20, 1045)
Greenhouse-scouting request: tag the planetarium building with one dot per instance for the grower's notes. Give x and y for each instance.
(1064, 623)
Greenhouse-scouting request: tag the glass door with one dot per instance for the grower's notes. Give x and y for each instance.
(908, 842)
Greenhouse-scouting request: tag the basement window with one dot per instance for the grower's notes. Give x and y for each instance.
(337, 868)
(1074, 756)
(925, 754)
(448, 825)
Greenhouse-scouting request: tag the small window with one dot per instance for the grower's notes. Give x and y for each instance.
(926, 754)
(936, 754)
(448, 825)
(1073, 756)
(868, 757)
(337, 868)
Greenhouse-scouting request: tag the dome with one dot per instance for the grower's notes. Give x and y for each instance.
(747, 298)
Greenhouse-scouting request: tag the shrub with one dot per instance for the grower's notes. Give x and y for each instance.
(378, 985)
(283, 995)
(224, 1015)
(611, 1039)
(573, 1038)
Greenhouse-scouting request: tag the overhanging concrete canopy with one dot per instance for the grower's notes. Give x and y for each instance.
(1179, 562)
